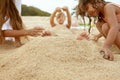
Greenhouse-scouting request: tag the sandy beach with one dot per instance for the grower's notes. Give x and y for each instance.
(59, 57)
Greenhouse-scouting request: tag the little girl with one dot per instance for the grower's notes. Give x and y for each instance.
(108, 23)
(60, 17)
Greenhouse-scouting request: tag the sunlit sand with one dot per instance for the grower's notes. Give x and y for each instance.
(58, 57)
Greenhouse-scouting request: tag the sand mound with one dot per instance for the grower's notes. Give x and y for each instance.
(62, 31)
(57, 58)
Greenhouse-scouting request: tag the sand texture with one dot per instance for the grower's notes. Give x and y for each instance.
(58, 57)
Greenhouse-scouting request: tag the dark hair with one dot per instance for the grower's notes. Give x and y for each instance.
(81, 10)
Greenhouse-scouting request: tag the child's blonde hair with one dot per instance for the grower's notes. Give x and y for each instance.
(60, 14)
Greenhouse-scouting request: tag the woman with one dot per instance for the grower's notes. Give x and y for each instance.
(11, 24)
(108, 23)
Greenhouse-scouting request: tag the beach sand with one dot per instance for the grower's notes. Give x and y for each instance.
(59, 57)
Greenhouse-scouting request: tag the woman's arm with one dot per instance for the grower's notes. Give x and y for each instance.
(68, 16)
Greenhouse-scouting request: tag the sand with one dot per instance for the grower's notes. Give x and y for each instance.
(59, 57)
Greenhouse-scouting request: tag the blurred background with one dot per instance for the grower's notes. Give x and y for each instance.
(46, 7)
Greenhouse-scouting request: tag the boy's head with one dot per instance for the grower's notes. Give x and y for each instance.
(60, 17)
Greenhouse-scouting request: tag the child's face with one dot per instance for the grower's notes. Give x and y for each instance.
(91, 11)
(61, 19)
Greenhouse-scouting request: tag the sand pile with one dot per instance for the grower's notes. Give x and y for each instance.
(62, 31)
(57, 58)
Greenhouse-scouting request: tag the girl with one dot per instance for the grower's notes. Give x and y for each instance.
(11, 24)
(108, 23)
(60, 17)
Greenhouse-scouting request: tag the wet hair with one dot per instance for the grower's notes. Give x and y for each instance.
(8, 10)
(81, 10)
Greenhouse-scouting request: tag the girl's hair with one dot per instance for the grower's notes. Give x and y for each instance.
(81, 10)
(60, 14)
(8, 10)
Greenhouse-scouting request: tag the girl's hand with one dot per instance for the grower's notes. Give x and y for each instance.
(82, 36)
(65, 8)
(36, 31)
(58, 9)
(96, 37)
(46, 33)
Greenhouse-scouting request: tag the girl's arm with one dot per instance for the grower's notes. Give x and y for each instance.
(37, 31)
(68, 17)
(53, 16)
(110, 15)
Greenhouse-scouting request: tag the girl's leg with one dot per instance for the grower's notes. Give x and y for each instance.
(117, 41)
(105, 30)
(99, 26)
(107, 52)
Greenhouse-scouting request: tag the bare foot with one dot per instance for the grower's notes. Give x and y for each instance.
(107, 54)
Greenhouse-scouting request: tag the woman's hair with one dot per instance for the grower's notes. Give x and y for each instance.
(8, 10)
(81, 10)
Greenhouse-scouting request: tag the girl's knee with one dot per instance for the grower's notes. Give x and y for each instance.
(105, 28)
